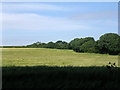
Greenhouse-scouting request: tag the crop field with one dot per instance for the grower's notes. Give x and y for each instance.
(54, 68)
(53, 57)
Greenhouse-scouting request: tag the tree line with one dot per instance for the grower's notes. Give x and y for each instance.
(107, 44)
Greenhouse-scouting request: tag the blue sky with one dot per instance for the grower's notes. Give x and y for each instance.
(26, 23)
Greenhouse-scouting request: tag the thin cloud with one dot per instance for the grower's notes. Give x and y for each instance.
(96, 15)
(38, 22)
(29, 7)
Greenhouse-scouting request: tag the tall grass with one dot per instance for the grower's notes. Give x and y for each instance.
(53, 68)
(60, 77)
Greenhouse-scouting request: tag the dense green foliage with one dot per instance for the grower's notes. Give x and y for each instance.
(108, 43)
(61, 45)
(60, 77)
(89, 47)
(57, 45)
(76, 43)
(37, 45)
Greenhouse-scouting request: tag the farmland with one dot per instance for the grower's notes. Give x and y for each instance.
(55, 68)
(53, 57)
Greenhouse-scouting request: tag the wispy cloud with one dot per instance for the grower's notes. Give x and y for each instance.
(28, 22)
(29, 7)
(38, 22)
(96, 15)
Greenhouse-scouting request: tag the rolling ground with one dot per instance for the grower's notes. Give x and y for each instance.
(53, 68)
(53, 57)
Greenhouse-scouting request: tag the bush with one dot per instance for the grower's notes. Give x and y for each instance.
(76, 43)
(109, 43)
(88, 46)
(61, 45)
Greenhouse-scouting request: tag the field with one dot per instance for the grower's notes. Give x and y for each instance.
(53, 57)
(53, 68)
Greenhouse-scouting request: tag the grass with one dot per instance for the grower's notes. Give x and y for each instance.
(60, 77)
(54, 68)
(53, 57)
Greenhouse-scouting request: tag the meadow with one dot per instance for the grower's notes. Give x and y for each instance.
(55, 68)
(53, 57)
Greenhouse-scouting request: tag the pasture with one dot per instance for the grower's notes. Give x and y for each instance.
(53, 57)
(54, 68)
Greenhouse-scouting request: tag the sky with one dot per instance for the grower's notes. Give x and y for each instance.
(26, 23)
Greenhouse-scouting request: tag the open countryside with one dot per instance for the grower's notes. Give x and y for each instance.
(60, 45)
(81, 63)
(54, 57)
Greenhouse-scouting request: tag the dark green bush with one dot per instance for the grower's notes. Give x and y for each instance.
(109, 43)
